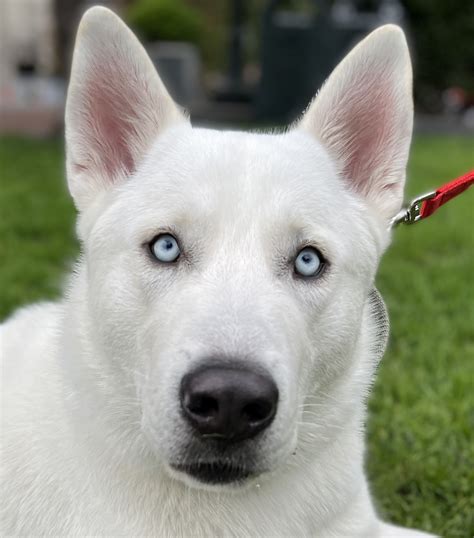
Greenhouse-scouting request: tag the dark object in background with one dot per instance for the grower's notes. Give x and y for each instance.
(233, 89)
(179, 66)
(301, 47)
(443, 41)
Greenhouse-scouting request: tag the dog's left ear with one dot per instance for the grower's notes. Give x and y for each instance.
(363, 116)
(116, 107)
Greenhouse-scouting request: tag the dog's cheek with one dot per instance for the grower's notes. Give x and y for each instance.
(117, 303)
(333, 333)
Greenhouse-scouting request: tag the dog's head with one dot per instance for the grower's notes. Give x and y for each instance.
(230, 275)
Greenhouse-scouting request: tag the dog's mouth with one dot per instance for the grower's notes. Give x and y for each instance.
(216, 472)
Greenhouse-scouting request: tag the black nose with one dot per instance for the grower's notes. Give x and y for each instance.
(228, 403)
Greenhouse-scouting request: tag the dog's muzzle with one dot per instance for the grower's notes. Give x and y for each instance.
(228, 403)
(227, 407)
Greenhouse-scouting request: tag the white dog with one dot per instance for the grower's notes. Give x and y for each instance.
(206, 373)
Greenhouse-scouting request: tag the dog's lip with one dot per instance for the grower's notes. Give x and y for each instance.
(214, 472)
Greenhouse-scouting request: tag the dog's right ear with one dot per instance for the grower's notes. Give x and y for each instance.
(116, 106)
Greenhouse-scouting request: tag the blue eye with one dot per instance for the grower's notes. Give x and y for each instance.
(165, 248)
(309, 262)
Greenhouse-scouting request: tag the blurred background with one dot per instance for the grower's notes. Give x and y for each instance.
(257, 64)
(239, 61)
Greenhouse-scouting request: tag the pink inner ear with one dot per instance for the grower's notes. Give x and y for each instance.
(109, 114)
(110, 120)
(111, 99)
(367, 127)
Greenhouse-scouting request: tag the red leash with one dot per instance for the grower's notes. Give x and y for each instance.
(425, 205)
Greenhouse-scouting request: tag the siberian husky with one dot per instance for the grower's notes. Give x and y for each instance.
(206, 373)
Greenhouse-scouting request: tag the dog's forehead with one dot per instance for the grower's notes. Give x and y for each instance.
(283, 174)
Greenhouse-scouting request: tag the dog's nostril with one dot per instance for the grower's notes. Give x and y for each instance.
(257, 411)
(202, 405)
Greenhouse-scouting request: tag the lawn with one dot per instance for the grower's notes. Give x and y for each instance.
(421, 424)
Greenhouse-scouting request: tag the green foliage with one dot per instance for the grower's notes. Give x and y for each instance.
(213, 44)
(165, 20)
(421, 418)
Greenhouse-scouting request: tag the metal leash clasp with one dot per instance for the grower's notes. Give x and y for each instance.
(412, 213)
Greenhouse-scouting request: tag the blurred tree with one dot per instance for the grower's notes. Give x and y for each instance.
(216, 36)
(166, 20)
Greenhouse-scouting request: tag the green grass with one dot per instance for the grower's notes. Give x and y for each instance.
(421, 450)
(421, 447)
(37, 241)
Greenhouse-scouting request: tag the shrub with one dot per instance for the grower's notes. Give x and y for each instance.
(165, 20)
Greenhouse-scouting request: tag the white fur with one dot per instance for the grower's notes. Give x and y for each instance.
(91, 419)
